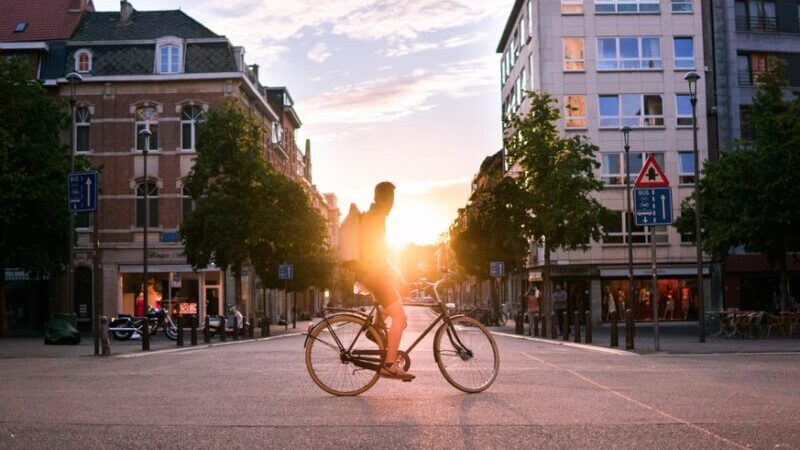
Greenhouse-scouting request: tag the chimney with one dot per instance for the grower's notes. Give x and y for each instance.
(125, 11)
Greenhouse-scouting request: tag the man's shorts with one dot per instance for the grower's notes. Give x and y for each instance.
(383, 286)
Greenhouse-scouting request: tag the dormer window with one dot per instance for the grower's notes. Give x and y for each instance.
(83, 61)
(169, 57)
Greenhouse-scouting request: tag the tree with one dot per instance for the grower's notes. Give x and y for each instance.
(751, 196)
(555, 176)
(227, 181)
(33, 172)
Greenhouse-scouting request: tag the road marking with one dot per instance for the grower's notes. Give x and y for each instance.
(204, 346)
(691, 355)
(642, 405)
(593, 348)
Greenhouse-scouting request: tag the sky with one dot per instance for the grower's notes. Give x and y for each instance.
(406, 91)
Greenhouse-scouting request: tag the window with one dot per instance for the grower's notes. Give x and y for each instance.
(571, 6)
(190, 116)
(20, 27)
(633, 110)
(612, 169)
(514, 50)
(573, 54)
(169, 59)
(82, 122)
(522, 31)
(147, 117)
(626, 6)
(628, 53)
(683, 110)
(682, 6)
(524, 76)
(530, 18)
(152, 199)
(617, 233)
(575, 106)
(277, 133)
(83, 61)
(684, 52)
(751, 66)
(187, 203)
(685, 167)
(756, 15)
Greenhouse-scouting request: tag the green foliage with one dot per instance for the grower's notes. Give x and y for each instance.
(33, 172)
(751, 196)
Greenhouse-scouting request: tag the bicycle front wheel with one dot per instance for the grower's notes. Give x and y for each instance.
(332, 368)
(466, 354)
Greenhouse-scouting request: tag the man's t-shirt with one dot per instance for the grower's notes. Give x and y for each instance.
(373, 251)
(559, 300)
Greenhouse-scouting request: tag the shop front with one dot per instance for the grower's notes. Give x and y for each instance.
(176, 287)
(677, 293)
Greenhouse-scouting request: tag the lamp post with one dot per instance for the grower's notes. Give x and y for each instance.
(73, 79)
(626, 137)
(692, 78)
(146, 134)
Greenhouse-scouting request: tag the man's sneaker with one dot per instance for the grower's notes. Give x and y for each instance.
(395, 371)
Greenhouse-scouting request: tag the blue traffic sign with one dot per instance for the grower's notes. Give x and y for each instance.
(82, 191)
(286, 272)
(497, 269)
(652, 206)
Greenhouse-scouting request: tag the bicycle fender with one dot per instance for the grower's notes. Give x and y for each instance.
(325, 320)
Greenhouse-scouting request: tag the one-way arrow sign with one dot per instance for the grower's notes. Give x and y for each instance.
(652, 207)
(82, 191)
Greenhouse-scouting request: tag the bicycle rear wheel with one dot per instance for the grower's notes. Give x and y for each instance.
(466, 354)
(330, 368)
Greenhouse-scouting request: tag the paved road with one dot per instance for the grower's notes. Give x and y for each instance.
(258, 395)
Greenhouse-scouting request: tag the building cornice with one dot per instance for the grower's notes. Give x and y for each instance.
(145, 42)
(38, 45)
(510, 24)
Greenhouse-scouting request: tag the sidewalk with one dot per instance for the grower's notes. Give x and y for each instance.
(678, 338)
(26, 347)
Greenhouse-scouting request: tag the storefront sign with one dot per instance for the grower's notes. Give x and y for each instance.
(176, 280)
(534, 276)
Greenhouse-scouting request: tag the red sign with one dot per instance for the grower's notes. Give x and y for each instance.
(651, 175)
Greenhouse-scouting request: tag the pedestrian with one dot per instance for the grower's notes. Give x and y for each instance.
(559, 299)
(533, 297)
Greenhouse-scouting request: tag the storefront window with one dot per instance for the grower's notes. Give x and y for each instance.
(676, 299)
(178, 292)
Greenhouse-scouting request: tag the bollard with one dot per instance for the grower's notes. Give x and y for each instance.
(179, 326)
(553, 326)
(564, 326)
(222, 331)
(577, 315)
(264, 326)
(614, 330)
(294, 315)
(235, 328)
(269, 323)
(519, 324)
(535, 325)
(629, 330)
(194, 329)
(145, 335)
(588, 326)
(251, 329)
(206, 331)
(104, 336)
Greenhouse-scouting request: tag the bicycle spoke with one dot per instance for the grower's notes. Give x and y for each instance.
(471, 373)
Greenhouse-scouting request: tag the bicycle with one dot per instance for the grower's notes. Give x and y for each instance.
(344, 352)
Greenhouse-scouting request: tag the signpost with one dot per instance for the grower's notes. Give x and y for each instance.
(653, 207)
(83, 197)
(497, 270)
(286, 272)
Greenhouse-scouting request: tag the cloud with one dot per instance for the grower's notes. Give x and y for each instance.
(391, 98)
(404, 48)
(319, 53)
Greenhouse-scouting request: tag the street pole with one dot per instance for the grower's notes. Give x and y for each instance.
(73, 79)
(98, 292)
(626, 131)
(654, 287)
(692, 78)
(146, 327)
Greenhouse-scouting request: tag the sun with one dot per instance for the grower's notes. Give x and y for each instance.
(417, 225)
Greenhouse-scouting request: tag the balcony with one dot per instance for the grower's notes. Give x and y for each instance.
(762, 24)
(749, 77)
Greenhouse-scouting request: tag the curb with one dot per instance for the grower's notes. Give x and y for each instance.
(587, 347)
(205, 346)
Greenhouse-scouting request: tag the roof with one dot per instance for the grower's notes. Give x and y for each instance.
(510, 24)
(106, 26)
(492, 162)
(46, 19)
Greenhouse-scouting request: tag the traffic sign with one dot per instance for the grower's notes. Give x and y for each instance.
(286, 272)
(651, 175)
(497, 269)
(652, 206)
(82, 188)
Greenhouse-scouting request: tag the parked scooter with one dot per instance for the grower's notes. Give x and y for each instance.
(123, 327)
(214, 322)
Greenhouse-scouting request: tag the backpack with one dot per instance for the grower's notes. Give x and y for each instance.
(348, 238)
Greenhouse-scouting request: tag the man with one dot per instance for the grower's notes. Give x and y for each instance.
(532, 297)
(559, 298)
(378, 274)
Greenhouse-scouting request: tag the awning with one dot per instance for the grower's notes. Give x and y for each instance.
(675, 271)
(163, 268)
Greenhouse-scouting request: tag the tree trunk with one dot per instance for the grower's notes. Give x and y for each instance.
(237, 288)
(224, 293)
(3, 315)
(548, 284)
(784, 284)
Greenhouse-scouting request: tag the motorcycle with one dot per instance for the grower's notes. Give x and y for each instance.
(215, 322)
(123, 327)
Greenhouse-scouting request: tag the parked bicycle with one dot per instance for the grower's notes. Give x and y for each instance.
(346, 349)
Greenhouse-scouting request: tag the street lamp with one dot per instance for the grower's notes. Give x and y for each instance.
(626, 137)
(692, 78)
(73, 79)
(146, 134)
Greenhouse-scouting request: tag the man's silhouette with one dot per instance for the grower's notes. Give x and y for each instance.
(381, 277)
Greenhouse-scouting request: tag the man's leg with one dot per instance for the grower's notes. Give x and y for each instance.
(399, 322)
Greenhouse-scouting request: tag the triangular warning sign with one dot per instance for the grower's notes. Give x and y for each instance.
(651, 175)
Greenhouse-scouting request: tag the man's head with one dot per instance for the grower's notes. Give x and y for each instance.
(558, 287)
(384, 195)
